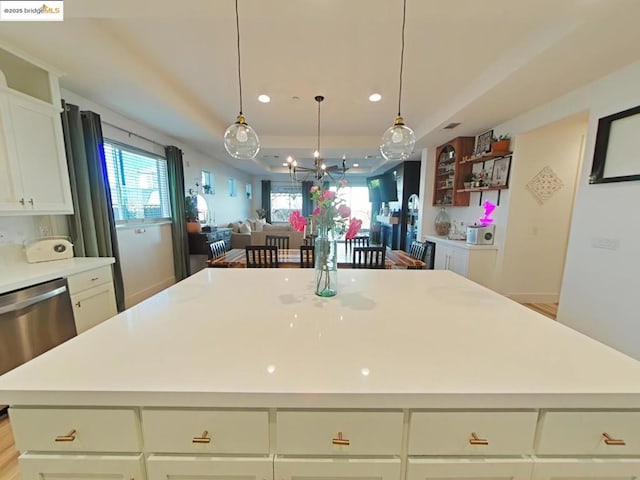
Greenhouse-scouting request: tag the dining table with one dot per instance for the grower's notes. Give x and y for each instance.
(290, 258)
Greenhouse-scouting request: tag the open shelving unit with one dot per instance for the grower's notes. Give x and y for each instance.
(449, 172)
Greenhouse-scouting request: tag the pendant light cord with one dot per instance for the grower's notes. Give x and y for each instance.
(238, 45)
(404, 19)
(318, 159)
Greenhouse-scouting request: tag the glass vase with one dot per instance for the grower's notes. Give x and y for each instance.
(326, 263)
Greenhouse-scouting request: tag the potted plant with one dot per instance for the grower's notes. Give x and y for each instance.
(500, 144)
(467, 179)
(191, 215)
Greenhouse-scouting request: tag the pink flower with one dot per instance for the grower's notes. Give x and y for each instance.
(354, 228)
(327, 195)
(297, 221)
(344, 211)
(316, 212)
(343, 183)
(314, 189)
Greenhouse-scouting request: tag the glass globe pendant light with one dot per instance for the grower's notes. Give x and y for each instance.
(240, 140)
(399, 140)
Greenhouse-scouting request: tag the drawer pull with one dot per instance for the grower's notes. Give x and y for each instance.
(612, 441)
(340, 440)
(94, 279)
(474, 440)
(202, 438)
(69, 437)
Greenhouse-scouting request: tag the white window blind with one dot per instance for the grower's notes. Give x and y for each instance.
(138, 181)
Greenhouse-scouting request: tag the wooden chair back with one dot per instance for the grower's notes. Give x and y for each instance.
(279, 241)
(359, 241)
(369, 257)
(307, 256)
(417, 250)
(262, 256)
(429, 255)
(218, 249)
(310, 239)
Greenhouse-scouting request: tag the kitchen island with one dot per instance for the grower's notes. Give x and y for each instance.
(404, 374)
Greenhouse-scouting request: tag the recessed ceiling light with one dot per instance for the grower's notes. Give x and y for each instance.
(356, 165)
(375, 97)
(264, 98)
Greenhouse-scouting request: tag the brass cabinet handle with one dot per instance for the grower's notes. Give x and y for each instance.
(94, 279)
(474, 440)
(31, 201)
(340, 440)
(612, 441)
(69, 437)
(21, 201)
(78, 304)
(202, 438)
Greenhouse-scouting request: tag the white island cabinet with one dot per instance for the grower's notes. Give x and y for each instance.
(198, 382)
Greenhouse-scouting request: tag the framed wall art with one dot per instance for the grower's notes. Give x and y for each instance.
(500, 172)
(483, 143)
(616, 157)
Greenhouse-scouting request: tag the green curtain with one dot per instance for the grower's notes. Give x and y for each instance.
(307, 203)
(175, 175)
(92, 227)
(266, 198)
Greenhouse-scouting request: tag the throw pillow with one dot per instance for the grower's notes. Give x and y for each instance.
(234, 226)
(244, 228)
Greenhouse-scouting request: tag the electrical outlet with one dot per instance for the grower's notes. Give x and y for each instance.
(605, 243)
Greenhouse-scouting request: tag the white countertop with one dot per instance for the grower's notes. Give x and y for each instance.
(458, 243)
(20, 275)
(261, 338)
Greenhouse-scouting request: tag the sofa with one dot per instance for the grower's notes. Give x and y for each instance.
(249, 232)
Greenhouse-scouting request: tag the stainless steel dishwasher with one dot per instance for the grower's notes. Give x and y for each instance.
(34, 320)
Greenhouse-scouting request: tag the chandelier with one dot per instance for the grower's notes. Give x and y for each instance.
(320, 168)
(398, 141)
(240, 140)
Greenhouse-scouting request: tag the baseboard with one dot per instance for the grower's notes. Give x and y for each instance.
(534, 297)
(137, 297)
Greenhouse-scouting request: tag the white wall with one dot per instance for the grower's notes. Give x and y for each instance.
(537, 234)
(146, 249)
(600, 287)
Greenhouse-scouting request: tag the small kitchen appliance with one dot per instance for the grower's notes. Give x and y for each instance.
(47, 249)
(480, 235)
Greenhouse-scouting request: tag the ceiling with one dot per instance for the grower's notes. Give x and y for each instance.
(173, 66)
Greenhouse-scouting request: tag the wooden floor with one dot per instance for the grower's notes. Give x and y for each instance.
(547, 309)
(8, 453)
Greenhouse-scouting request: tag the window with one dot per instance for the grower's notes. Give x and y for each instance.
(138, 181)
(357, 199)
(285, 198)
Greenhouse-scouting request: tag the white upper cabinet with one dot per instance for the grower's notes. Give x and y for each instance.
(33, 167)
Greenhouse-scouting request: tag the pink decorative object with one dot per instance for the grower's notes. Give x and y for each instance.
(354, 228)
(297, 221)
(488, 210)
(344, 211)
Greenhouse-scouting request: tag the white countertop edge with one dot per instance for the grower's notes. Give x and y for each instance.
(458, 243)
(19, 276)
(324, 401)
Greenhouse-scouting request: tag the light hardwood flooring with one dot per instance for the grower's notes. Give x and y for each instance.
(8, 452)
(547, 309)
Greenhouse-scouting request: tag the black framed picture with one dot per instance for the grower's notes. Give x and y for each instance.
(483, 142)
(500, 172)
(616, 157)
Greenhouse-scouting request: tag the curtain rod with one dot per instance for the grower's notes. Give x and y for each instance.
(131, 134)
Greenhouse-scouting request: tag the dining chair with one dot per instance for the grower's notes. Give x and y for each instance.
(418, 251)
(280, 241)
(369, 257)
(359, 241)
(307, 256)
(310, 239)
(429, 255)
(218, 249)
(262, 256)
